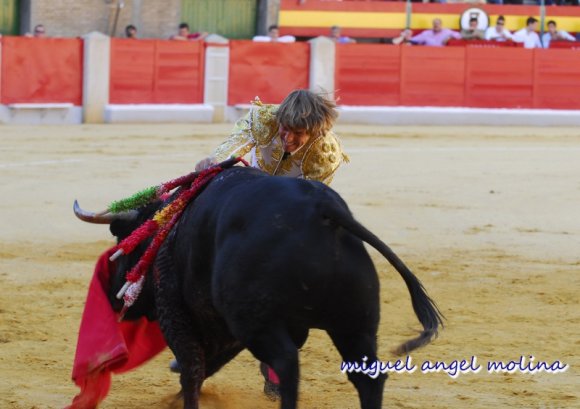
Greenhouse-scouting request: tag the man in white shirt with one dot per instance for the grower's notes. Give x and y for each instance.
(499, 32)
(554, 34)
(274, 36)
(528, 35)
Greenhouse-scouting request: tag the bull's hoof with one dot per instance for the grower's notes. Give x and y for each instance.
(174, 366)
(272, 390)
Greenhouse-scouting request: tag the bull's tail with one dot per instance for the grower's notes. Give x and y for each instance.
(425, 308)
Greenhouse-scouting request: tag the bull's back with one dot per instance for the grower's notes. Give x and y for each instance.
(275, 256)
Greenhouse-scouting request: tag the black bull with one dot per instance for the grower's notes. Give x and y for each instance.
(255, 262)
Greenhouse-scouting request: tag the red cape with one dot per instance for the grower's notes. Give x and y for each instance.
(105, 345)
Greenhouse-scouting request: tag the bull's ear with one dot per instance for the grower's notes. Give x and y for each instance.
(123, 225)
(121, 228)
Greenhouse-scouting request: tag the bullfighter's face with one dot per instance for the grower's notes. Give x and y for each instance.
(293, 139)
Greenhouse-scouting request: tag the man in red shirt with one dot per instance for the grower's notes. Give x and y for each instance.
(184, 35)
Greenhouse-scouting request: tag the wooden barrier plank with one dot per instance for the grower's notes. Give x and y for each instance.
(368, 74)
(156, 72)
(557, 79)
(267, 70)
(42, 70)
(432, 76)
(499, 78)
(132, 71)
(179, 72)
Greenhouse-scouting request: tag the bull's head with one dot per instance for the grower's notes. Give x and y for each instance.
(121, 226)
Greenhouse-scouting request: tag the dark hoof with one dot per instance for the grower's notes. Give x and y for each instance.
(174, 366)
(272, 391)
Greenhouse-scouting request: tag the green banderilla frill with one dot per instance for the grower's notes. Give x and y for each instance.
(135, 201)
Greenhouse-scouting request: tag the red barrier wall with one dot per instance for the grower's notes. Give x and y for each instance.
(575, 45)
(41, 70)
(368, 72)
(455, 76)
(156, 72)
(267, 70)
(432, 76)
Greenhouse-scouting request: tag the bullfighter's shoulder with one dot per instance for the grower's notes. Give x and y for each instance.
(323, 158)
(264, 123)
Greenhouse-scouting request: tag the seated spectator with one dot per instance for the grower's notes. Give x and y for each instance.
(437, 37)
(131, 31)
(184, 35)
(274, 36)
(528, 35)
(554, 34)
(472, 33)
(403, 38)
(39, 32)
(337, 38)
(561, 2)
(499, 32)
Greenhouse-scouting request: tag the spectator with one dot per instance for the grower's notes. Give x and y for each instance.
(274, 36)
(437, 37)
(403, 38)
(499, 32)
(337, 38)
(554, 34)
(184, 35)
(39, 32)
(472, 33)
(131, 31)
(528, 35)
(561, 2)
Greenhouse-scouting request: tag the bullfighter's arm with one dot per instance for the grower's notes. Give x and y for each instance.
(240, 141)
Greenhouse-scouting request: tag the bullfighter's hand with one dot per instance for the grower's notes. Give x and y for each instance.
(204, 164)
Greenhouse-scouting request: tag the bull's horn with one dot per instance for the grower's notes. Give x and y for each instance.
(102, 217)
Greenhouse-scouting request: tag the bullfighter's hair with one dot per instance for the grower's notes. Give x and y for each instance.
(305, 110)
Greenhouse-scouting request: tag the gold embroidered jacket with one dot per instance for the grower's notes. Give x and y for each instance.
(257, 133)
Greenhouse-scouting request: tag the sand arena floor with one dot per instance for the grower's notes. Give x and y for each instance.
(488, 218)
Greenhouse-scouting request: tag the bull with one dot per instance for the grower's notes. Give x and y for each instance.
(255, 262)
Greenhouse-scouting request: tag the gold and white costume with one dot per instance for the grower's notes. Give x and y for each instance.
(257, 133)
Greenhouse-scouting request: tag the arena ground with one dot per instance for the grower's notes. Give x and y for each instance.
(488, 218)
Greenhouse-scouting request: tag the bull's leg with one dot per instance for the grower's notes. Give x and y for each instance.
(192, 374)
(179, 331)
(353, 347)
(276, 348)
(179, 334)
